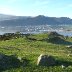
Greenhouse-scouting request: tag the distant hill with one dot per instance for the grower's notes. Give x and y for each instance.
(10, 17)
(9, 20)
(6, 17)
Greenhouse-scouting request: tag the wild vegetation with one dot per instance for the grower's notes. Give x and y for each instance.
(19, 52)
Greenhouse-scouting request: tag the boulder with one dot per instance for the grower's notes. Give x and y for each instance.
(69, 46)
(19, 58)
(9, 61)
(54, 37)
(55, 34)
(1, 56)
(45, 60)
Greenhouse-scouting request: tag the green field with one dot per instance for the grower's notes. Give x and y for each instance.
(30, 48)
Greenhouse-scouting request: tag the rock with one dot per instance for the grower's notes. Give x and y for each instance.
(55, 34)
(45, 60)
(69, 55)
(69, 46)
(1, 56)
(62, 66)
(9, 61)
(19, 58)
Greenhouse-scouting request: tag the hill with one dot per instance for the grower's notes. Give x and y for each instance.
(8, 20)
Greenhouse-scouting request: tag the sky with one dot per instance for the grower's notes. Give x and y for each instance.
(52, 8)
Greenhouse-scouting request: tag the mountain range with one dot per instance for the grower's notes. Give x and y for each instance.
(10, 20)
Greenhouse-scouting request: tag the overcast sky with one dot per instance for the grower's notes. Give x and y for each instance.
(53, 8)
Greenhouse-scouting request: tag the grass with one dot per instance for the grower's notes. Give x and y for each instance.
(31, 49)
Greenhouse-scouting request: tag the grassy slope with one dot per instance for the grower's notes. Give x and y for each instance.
(29, 49)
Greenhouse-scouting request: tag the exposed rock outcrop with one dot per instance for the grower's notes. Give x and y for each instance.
(45, 60)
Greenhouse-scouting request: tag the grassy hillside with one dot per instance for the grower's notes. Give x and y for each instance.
(28, 48)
